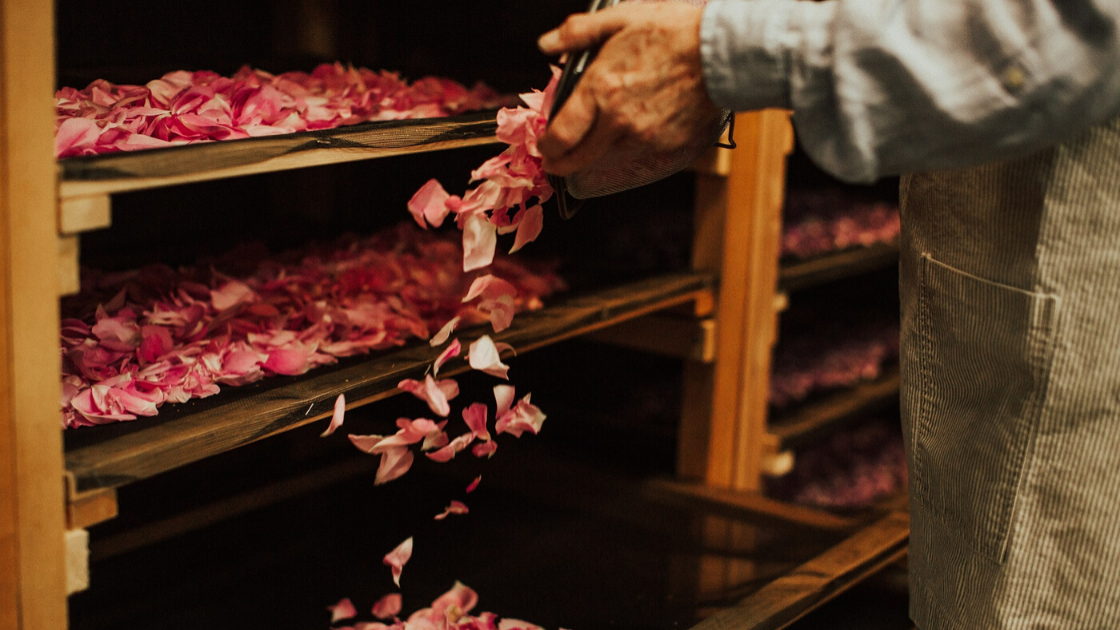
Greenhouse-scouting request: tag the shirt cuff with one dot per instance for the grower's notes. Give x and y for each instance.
(747, 48)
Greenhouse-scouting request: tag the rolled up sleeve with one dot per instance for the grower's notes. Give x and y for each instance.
(880, 87)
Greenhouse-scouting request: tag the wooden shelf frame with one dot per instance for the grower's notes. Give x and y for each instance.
(817, 418)
(795, 275)
(195, 430)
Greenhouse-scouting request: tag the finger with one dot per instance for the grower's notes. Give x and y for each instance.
(569, 126)
(582, 30)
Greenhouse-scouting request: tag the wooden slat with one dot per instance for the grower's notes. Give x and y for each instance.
(123, 172)
(812, 420)
(77, 560)
(32, 520)
(737, 504)
(791, 597)
(668, 335)
(803, 274)
(112, 456)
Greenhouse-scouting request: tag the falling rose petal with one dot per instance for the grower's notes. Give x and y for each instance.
(366, 443)
(451, 352)
(448, 452)
(429, 204)
(445, 332)
(436, 394)
(338, 417)
(480, 238)
(435, 440)
(397, 558)
(344, 609)
(475, 417)
(483, 356)
(503, 395)
(456, 507)
(461, 597)
(474, 484)
(484, 449)
(395, 462)
(524, 416)
(388, 606)
(489, 286)
(529, 228)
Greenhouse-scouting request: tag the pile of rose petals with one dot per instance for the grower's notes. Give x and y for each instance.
(510, 182)
(186, 107)
(851, 469)
(133, 341)
(821, 221)
(817, 361)
(449, 611)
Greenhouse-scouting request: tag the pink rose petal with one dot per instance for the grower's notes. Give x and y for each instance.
(436, 394)
(480, 238)
(448, 452)
(429, 204)
(445, 356)
(456, 507)
(503, 395)
(529, 228)
(338, 417)
(523, 417)
(395, 462)
(474, 484)
(388, 606)
(445, 332)
(491, 287)
(397, 558)
(483, 356)
(475, 417)
(484, 449)
(344, 609)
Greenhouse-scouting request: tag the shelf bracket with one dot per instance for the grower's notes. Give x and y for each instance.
(77, 560)
(69, 274)
(84, 509)
(84, 214)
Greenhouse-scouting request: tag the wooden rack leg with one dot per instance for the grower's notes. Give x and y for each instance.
(32, 521)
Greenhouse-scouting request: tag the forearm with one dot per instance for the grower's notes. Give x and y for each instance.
(879, 87)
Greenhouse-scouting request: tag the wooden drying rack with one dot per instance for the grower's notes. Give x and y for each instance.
(49, 494)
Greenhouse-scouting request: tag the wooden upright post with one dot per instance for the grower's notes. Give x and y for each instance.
(738, 232)
(32, 522)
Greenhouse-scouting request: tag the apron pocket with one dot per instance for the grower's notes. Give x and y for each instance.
(984, 352)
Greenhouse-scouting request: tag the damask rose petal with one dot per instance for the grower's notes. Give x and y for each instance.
(448, 452)
(503, 395)
(523, 417)
(480, 238)
(397, 558)
(456, 507)
(344, 609)
(475, 417)
(484, 449)
(429, 204)
(231, 294)
(445, 333)
(338, 416)
(529, 228)
(287, 362)
(474, 484)
(483, 356)
(451, 352)
(395, 462)
(491, 287)
(387, 607)
(436, 394)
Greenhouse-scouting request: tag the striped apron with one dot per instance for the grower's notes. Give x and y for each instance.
(1010, 291)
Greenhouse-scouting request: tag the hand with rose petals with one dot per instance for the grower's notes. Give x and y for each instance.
(644, 90)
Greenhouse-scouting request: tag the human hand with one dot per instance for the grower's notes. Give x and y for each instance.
(644, 90)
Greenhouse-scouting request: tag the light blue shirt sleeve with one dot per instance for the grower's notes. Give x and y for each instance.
(881, 87)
